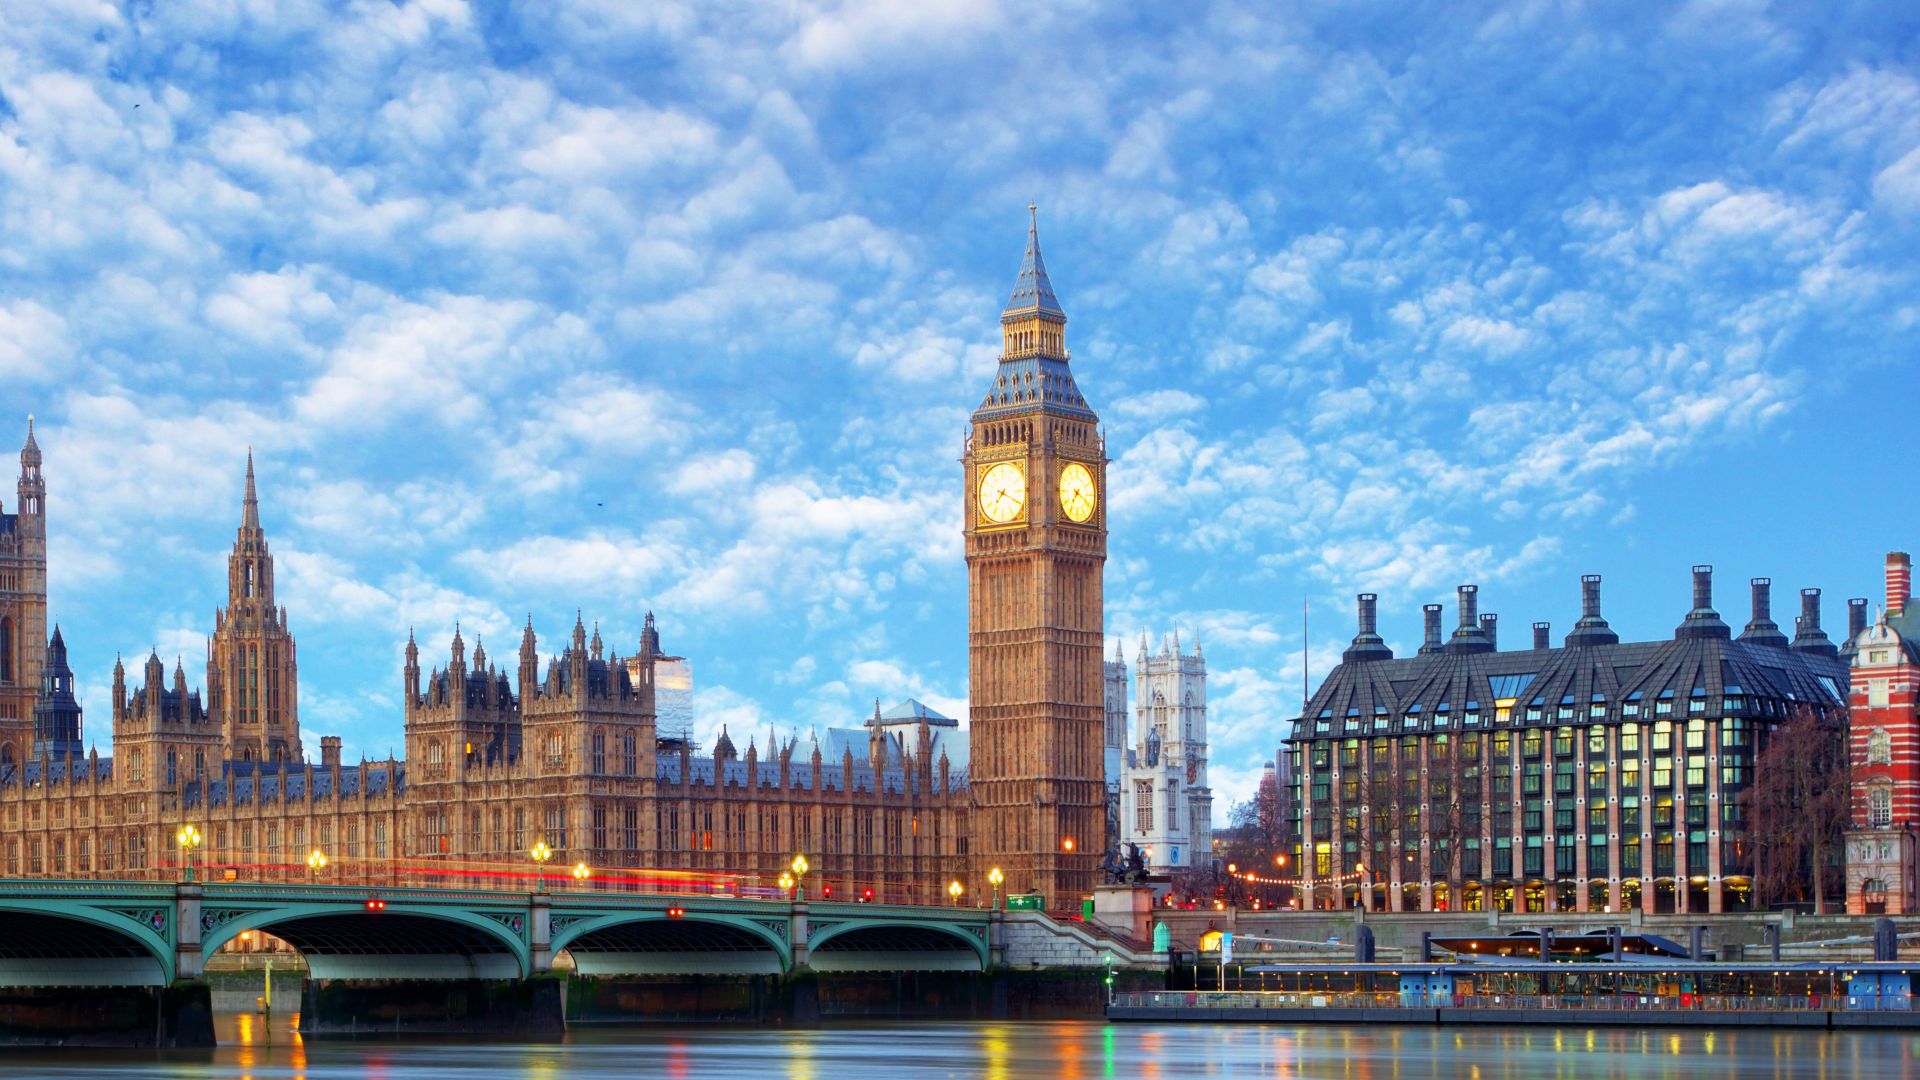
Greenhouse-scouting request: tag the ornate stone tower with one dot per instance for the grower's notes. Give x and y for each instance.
(251, 674)
(1036, 545)
(56, 717)
(23, 605)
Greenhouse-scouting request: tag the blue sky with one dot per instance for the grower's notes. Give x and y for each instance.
(622, 307)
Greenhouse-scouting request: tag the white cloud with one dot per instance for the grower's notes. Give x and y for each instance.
(33, 342)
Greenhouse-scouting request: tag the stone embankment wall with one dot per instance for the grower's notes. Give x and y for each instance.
(1397, 936)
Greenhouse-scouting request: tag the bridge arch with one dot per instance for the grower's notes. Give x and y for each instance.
(51, 943)
(895, 945)
(403, 941)
(656, 943)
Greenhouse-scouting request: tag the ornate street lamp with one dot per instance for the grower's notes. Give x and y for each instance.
(188, 837)
(800, 866)
(541, 855)
(581, 872)
(316, 862)
(954, 890)
(994, 878)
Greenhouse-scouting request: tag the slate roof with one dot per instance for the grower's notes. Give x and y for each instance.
(913, 711)
(1369, 696)
(1032, 290)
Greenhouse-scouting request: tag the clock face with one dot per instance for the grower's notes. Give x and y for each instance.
(1077, 494)
(1003, 493)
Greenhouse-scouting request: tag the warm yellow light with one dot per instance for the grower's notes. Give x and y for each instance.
(955, 889)
(541, 852)
(1078, 495)
(995, 876)
(580, 871)
(1067, 843)
(1003, 493)
(1233, 868)
(188, 836)
(316, 859)
(800, 866)
(786, 880)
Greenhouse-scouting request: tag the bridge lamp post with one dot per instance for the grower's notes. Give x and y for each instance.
(994, 878)
(800, 867)
(316, 862)
(541, 855)
(786, 883)
(954, 889)
(581, 873)
(188, 837)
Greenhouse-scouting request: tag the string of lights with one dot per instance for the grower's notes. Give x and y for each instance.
(1299, 882)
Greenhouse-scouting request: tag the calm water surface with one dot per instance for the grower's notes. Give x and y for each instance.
(1056, 1051)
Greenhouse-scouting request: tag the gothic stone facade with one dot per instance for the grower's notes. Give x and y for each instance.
(499, 758)
(1599, 776)
(1034, 473)
(1166, 800)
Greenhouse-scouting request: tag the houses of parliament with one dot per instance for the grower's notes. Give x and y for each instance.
(564, 748)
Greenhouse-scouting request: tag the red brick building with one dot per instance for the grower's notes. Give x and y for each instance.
(1885, 751)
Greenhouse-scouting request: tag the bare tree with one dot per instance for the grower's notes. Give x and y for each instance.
(1797, 808)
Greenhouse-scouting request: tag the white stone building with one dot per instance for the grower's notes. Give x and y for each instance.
(1166, 804)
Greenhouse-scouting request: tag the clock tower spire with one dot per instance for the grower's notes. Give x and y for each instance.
(1036, 547)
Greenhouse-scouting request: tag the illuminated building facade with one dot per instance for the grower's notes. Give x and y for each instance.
(1597, 776)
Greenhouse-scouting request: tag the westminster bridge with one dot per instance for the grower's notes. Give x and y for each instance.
(488, 956)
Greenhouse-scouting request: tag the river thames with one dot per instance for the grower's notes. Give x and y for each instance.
(1054, 1050)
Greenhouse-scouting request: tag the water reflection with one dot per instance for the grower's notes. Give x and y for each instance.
(257, 1046)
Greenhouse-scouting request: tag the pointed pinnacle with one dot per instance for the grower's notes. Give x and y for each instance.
(250, 505)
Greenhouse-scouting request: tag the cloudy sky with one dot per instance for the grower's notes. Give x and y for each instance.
(632, 306)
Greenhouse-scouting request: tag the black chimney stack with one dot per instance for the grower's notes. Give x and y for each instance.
(1856, 622)
(1432, 642)
(1469, 637)
(1808, 637)
(1592, 629)
(1761, 629)
(1367, 644)
(1702, 621)
(1541, 638)
(1490, 626)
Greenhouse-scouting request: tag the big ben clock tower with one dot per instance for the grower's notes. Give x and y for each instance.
(1036, 540)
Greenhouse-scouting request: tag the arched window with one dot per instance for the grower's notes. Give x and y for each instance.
(1879, 747)
(1879, 808)
(173, 768)
(199, 765)
(6, 650)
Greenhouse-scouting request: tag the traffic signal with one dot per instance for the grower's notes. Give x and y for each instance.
(374, 903)
(866, 895)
